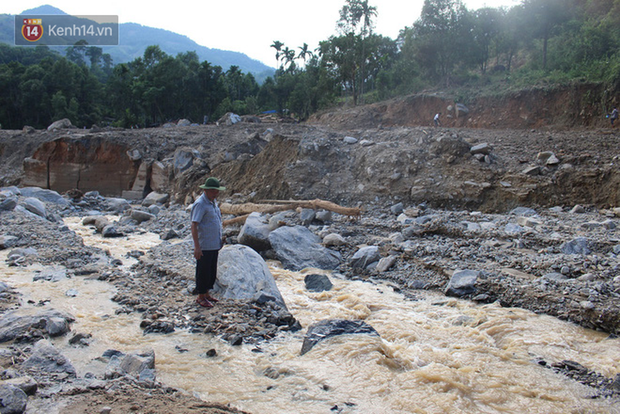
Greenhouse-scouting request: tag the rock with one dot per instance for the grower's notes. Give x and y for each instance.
(385, 263)
(397, 208)
(528, 222)
(307, 215)
(118, 205)
(184, 122)
(243, 274)
(51, 322)
(8, 241)
(13, 400)
(513, 229)
(324, 216)
(332, 327)
(46, 358)
(349, 140)
(51, 274)
(523, 212)
(110, 231)
(136, 364)
(462, 282)
(155, 198)
(183, 159)
(317, 283)
(461, 110)
(532, 170)
(27, 384)
(141, 216)
(255, 232)
(34, 205)
(576, 246)
(155, 209)
(134, 155)
(484, 149)
(60, 124)
(334, 239)
(229, 119)
(297, 247)
(578, 209)
(168, 234)
(8, 204)
(364, 257)
(555, 277)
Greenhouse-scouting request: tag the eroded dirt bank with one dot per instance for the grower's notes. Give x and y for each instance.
(487, 170)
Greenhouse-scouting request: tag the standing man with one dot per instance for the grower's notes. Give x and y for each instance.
(613, 116)
(436, 119)
(207, 236)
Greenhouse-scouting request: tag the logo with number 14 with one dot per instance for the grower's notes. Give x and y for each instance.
(32, 29)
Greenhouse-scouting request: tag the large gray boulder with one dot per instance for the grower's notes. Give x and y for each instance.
(255, 232)
(35, 206)
(8, 203)
(64, 123)
(53, 323)
(333, 327)
(46, 358)
(48, 196)
(297, 248)
(154, 198)
(243, 274)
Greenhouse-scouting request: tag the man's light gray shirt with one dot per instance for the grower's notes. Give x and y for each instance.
(209, 218)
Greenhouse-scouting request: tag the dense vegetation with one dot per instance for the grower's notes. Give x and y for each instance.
(538, 41)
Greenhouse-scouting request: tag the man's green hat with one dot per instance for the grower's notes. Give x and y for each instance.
(212, 183)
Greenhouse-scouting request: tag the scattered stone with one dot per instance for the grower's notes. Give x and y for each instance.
(12, 399)
(462, 283)
(334, 239)
(328, 328)
(364, 257)
(317, 283)
(576, 246)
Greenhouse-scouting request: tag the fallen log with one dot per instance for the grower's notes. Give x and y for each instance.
(274, 206)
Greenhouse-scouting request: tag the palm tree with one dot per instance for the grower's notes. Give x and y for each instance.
(288, 55)
(277, 45)
(304, 52)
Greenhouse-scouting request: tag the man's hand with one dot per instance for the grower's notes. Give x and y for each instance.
(197, 253)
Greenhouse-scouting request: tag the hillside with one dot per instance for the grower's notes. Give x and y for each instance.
(135, 38)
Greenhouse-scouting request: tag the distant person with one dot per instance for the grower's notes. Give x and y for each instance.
(613, 116)
(436, 119)
(207, 236)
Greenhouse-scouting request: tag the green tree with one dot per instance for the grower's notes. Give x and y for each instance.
(442, 36)
(544, 18)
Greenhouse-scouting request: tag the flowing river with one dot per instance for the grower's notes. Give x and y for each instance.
(435, 354)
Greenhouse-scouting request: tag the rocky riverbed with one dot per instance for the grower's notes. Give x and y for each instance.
(560, 261)
(522, 218)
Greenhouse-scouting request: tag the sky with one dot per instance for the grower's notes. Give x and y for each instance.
(246, 26)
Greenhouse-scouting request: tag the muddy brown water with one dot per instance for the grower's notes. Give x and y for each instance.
(435, 354)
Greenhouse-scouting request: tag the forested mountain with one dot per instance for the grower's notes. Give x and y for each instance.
(467, 53)
(135, 38)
